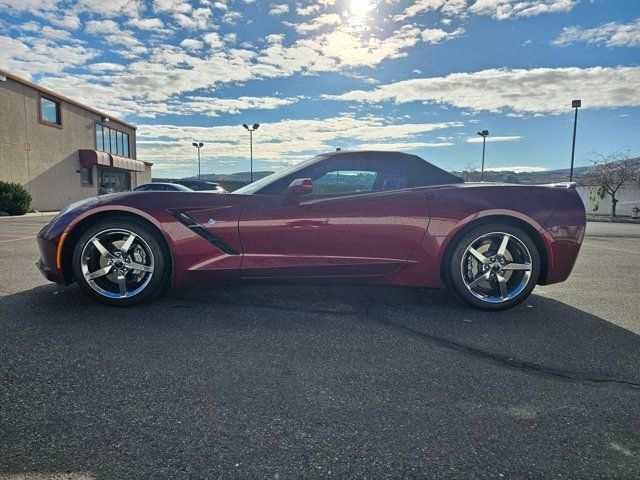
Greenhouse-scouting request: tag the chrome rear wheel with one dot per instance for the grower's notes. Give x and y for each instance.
(494, 266)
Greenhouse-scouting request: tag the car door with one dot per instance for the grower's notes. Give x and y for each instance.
(361, 220)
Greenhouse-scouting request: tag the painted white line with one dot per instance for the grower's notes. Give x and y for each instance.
(16, 239)
(613, 249)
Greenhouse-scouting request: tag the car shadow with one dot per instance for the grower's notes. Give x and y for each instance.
(282, 381)
(542, 335)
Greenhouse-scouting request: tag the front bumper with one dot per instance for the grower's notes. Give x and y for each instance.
(48, 240)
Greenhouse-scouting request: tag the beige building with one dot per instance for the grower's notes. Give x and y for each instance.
(60, 150)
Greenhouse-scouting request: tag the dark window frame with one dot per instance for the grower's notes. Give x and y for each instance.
(82, 183)
(58, 103)
(126, 140)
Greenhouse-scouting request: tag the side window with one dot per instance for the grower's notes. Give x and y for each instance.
(340, 182)
(50, 113)
(86, 176)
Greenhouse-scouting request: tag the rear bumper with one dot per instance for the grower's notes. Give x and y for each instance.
(563, 234)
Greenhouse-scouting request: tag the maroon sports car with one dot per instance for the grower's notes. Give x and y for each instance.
(367, 217)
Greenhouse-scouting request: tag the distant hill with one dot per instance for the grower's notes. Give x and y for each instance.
(530, 178)
(232, 177)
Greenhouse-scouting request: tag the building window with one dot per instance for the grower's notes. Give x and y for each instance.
(112, 141)
(50, 113)
(99, 138)
(86, 176)
(125, 144)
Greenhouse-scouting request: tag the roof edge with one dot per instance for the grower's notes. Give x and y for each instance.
(47, 91)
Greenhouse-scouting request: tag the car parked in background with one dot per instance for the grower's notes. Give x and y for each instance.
(202, 186)
(162, 187)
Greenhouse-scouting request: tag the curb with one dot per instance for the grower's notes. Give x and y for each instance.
(31, 214)
(626, 222)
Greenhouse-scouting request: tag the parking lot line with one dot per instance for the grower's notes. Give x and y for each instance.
(16, 239)
(589, 244)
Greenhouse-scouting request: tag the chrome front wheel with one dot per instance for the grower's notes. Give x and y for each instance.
(117, 263)
(120, 262)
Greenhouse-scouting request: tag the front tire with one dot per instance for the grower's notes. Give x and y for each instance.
(120, 262)
(494, 266)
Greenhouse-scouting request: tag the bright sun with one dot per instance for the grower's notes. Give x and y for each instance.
(360, 8)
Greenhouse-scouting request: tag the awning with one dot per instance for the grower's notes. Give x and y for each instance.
(94, 157)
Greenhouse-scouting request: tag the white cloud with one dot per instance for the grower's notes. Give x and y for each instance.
(198, 19)
(29, 56)
(279, 9)
(111, 8)
(437, 35)
(191, 44)
(610, 34)
(478, 139)
(146, 23)
(447, 7)
(506, 9)
(539, 90)
(403, 146)
(110, 32)
(284, 141)
(47, 31)
(106, 67)
(318, 22)
(213, 39)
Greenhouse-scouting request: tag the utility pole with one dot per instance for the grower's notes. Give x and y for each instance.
(198, 145)
(484, 134)
(251, 130)
(574, 104)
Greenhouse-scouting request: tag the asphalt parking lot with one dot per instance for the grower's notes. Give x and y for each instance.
(310, 382)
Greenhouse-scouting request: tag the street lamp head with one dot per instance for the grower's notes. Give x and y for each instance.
(195, 144)
(576, 103)
(255, 126)
(484, 133)
(200, 145)
(245, 126)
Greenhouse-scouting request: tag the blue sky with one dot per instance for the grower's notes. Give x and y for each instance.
(417, 76)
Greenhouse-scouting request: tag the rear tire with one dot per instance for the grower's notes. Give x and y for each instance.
(494, 266)
(120, 262)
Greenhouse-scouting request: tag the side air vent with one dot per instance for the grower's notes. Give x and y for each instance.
(201, 231)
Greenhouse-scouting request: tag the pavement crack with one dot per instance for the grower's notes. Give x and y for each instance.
(506, 361)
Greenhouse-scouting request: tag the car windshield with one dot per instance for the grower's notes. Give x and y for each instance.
(274, 177)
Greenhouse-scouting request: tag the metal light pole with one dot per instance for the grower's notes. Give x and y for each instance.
(198, 145)
(574, 104)
(251, 130)
(484, 134)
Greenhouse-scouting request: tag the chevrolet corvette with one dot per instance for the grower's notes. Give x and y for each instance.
(358, 217)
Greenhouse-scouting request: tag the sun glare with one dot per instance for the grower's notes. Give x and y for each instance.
(360, 8)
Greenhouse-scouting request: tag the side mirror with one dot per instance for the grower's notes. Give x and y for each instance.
(298, 187)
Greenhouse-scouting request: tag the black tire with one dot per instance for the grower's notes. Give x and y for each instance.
(148, 245)
(459, 274)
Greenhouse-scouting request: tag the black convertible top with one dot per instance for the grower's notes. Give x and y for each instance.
(423, 173)
(419, 173)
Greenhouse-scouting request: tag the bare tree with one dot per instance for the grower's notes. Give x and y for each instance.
(611, 172)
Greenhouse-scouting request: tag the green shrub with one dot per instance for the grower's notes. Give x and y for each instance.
(14, 199)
